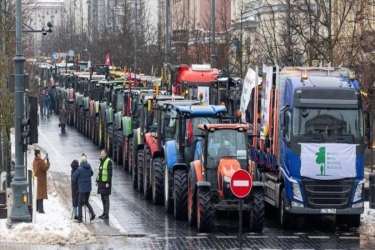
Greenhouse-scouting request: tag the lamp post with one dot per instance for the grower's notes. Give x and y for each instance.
(135, 40)
(213, 19)
(19, 185)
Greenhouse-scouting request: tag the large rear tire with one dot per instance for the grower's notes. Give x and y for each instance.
(132, 168)
(140, 166)
(157, 181)
(147, 192)
(257, 215)
(192, 210)
(180, 190)
(204, 211)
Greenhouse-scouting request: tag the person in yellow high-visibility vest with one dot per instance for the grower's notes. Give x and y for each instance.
(104, 181)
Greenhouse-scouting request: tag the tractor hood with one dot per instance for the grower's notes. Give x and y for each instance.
(227, 167)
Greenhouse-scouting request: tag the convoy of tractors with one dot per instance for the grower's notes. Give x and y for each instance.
(182, 142)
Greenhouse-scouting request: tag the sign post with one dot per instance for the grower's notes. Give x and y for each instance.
(241, 184)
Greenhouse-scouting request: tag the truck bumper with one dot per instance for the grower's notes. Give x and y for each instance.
(300, 210)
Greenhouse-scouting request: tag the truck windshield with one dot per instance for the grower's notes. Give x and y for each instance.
(328, 122)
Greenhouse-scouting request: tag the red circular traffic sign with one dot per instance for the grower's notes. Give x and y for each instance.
(241, 183)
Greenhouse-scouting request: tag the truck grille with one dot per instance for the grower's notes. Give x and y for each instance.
(328, 194)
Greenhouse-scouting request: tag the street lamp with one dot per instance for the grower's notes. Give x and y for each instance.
(19, 210)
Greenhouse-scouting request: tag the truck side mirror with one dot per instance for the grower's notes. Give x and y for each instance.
(368, 123)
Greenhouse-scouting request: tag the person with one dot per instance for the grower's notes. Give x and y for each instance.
(63, 104)
(41, 102)
(63, 118)
(104, 181)
(47, 104)
(83, 176)
(40, 168)
(75, 192)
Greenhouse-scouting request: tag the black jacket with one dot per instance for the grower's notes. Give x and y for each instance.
(102, 189)
(83, 175)
(74, 184)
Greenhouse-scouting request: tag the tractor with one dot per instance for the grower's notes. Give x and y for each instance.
(153, 181)
(176, 154)
(224, 150)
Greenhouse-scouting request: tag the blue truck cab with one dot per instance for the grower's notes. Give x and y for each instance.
(321, 141)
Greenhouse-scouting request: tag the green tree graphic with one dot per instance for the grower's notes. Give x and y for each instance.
(321, 159)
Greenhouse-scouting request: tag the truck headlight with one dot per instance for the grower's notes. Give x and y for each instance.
(226, 179)
(358, 191)
(297, 192)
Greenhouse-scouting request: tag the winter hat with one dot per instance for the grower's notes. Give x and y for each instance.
(74, 164)
(83, 158)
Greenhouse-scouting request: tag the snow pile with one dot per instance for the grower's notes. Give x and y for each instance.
(367, 221)
(53, 227)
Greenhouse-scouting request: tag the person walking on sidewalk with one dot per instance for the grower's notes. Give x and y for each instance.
(40, 168)
(83, 176)
(63, 118)
(47, 104)
(104, 181)
(75, 191)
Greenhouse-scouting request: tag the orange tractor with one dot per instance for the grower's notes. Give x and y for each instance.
(224, 150)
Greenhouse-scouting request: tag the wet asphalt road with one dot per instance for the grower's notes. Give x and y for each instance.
(138, 224)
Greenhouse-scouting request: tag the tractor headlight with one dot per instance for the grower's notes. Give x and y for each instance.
(297, 191)
(226, 179)
(358, 191)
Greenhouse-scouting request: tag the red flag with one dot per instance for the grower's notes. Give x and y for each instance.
(107, 62)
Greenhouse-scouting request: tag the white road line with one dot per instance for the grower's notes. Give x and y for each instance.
(288, 237)
(226, 237)
(196, 237)
(318, 237)
(269, 248)
(165, 238)
(257, 236)
(240, 183)
(348, 237)
(303, 249)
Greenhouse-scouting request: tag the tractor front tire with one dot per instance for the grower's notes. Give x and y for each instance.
(204, 212)
(180, 189)
(258, 213)
(157, 181)
(140, 167)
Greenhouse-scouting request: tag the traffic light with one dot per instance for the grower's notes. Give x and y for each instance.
(24, 128)
(33, 117)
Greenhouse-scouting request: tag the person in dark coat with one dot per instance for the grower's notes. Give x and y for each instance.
(40, 168)
(75, 192)
(47, 104)
(63, 118)
(104, 182)
(83, 176)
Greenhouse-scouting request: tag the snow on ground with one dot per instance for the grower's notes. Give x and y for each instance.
(53, 227)
(367, 221)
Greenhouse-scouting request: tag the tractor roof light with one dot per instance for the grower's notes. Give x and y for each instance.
(304, 79)
(187, 91)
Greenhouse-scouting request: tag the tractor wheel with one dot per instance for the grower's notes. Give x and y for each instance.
(125, 154)
(204, 213)
(192, 210)
(71, 115)
(96, 131)
(140, 166)
(284, 216)
(257, 215)
(180, 189)
(146, 174)
(168, 205)
(157, 181)
(119, 149)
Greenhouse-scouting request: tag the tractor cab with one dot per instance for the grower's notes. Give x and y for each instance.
(224, 151)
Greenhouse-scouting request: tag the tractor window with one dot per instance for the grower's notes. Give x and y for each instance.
(120, 101)
(228, 143)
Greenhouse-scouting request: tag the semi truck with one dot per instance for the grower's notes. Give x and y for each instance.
(310, 133)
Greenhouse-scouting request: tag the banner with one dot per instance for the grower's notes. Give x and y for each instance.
(206, 94)
(266, 101)
(248, 85)
(328, 161)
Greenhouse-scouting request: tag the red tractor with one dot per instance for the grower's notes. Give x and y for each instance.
(224, 150)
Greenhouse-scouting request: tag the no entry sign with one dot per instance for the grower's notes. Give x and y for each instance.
(241, 183)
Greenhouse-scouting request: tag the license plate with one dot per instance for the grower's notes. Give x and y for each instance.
(328, 211)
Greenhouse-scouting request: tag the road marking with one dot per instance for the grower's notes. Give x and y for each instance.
(257, 236)
(303, 249)
(318, 237)
(269, 248)
(165, 238)
(348, 237)
(239, 183)
(288, 237)
(203, 234)
(226, 237)
(196, 237)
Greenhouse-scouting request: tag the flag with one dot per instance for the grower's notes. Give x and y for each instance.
(89, 62)
(107, 63)
(59, 59)
(79, 57)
